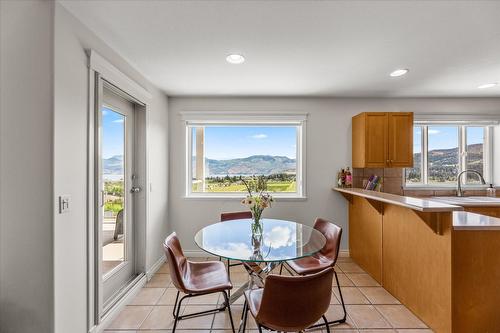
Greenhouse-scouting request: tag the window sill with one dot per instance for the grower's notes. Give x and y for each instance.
(276, 198)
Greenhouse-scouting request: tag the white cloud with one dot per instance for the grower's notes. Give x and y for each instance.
(434, 131)
(118, 120)
(259, 136)
(278, 237)
(232, 250)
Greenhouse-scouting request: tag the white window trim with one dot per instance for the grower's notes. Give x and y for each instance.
(470, 121)
(194, 118)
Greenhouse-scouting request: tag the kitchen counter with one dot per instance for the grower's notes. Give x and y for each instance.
(473, 221)
(461, 220)
(419, 204)
(473, 201)
(439, 258)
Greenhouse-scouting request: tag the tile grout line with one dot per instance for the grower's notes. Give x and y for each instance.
(347, 275)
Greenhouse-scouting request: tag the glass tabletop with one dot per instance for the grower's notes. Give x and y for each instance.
(280, 240)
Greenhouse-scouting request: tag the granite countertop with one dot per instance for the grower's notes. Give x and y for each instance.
(461, 220)
(473, 221)
(419, 204)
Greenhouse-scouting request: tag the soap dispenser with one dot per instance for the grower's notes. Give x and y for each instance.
(491, 191)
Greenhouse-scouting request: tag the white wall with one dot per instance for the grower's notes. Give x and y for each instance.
(26, 214)
(70, 166)
(328, 145)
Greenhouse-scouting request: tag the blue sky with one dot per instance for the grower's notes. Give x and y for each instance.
(441, 137)
(236, 142)
(112, 133)
(444, 137)
(475, 135)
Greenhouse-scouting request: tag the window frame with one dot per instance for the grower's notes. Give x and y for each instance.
(199, 119)
(462, 145)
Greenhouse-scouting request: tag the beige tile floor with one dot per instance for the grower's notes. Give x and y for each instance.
(370, 308)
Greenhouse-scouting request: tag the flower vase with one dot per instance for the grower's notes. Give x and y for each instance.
(257, 251)
(257, 227)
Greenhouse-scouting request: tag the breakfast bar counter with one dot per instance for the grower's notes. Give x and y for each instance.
(429, 255)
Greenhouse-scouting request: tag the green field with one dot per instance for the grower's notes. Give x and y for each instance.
(275, 183)
(235, 187)
(114, 207)
(114, 196)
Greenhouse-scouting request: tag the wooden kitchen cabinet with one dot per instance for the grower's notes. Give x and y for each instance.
(382, 140)
(488, 211)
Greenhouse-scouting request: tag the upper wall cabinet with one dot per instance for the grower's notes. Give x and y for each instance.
(382, 140)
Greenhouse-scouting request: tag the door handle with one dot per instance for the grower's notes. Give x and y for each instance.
(135, 189)
(103, 198)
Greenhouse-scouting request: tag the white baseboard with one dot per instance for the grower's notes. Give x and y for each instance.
(344, 253)
(118, 307)
(156, 266)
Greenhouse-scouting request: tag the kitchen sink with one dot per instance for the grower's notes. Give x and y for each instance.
(469, 201)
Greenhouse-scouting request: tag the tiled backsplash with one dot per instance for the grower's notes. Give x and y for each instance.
(391, 178)
(392, 182)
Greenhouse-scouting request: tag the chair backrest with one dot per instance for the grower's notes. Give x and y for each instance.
(177, 262)
(235, 216)
(293, 303)
(333, 235)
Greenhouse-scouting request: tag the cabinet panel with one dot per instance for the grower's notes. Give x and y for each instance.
(379, 137)
(417, 267)
(358, 141)
(365, 236)
(400, 142)
(488, 211)
(376, 139)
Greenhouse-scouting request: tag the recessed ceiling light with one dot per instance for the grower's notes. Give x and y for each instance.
(488, 85)
(399, 72)
(235, 59)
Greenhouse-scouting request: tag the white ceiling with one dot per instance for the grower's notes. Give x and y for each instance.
(306, 48)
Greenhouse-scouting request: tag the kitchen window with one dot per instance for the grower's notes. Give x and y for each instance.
(441, 151)
(224, 152)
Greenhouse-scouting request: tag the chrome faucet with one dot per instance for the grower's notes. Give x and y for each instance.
(460, 192)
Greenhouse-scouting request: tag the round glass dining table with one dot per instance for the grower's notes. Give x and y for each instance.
(279, 241)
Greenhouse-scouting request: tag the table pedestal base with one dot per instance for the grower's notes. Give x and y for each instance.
(256, 277)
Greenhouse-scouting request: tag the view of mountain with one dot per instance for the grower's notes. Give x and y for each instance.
(443, 163)
(113, 165)
(252, 165)
(443, 157)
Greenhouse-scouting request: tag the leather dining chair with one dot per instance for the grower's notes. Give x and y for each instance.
(195, 279)
(326, 257)
(234, 216)
(290, 303)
